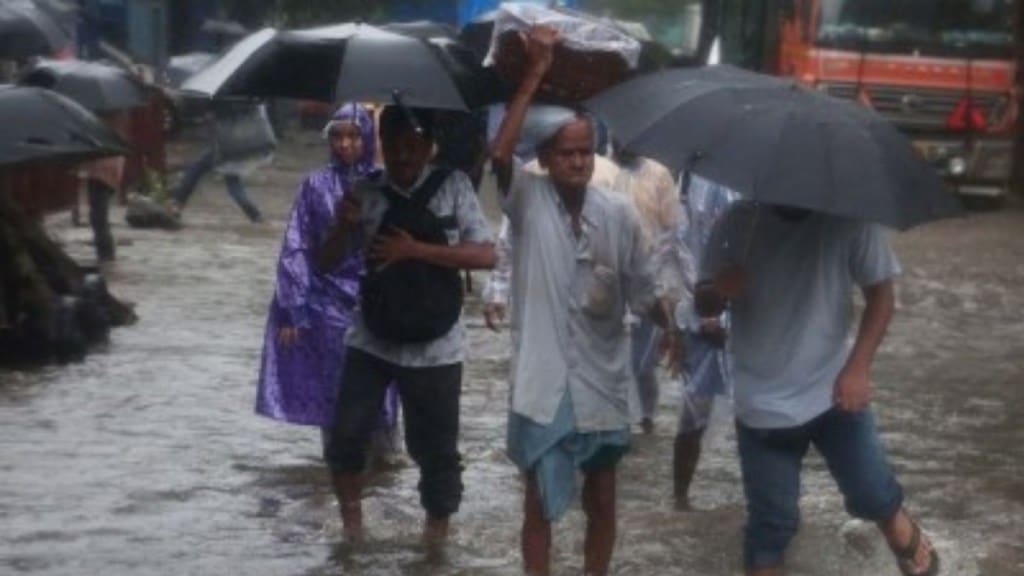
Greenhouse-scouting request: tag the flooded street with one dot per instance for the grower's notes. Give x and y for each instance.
(147, 458)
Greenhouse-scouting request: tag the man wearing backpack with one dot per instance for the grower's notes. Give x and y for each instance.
(417, 226)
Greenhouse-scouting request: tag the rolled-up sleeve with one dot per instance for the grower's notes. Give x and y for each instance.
(871, 258)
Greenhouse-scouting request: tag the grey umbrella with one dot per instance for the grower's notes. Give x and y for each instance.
(340, 62)
(40, 124)
(183, 66)
(778, 143)
(28, 29)
(98, 87)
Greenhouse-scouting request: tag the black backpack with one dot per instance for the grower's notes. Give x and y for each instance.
(413, 301)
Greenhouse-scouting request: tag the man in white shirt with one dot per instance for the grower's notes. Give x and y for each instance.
(580, 261)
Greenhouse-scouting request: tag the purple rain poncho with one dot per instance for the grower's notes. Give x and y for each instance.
(299, 383)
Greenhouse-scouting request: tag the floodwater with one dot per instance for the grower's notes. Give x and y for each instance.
(146, 458)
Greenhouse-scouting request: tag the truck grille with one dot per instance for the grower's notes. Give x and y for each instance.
(917, 108)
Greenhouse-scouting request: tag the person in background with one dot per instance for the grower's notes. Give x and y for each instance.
(303, 350)
(706, 365)
(103, 179)
(650, 188)
(243, 139)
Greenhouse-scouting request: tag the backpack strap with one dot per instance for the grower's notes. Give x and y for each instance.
(422, 196)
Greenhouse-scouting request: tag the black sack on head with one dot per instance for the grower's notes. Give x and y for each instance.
(413, 301)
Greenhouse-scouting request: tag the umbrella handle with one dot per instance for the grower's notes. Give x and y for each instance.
(399, 100)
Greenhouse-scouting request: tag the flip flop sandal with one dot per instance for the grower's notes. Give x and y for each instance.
(906, 556)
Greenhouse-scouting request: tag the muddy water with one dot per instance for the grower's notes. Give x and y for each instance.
(146, 458)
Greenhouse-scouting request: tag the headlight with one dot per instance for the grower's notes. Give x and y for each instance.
(957, 166)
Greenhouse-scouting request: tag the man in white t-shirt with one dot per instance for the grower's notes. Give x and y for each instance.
(787, 276)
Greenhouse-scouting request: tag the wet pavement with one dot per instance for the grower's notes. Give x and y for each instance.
(146, 458)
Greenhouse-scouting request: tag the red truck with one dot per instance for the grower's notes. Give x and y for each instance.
(941, 70)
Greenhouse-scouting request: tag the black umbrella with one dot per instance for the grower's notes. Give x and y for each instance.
(341, 62)
(96, 86)
(28, 29)
(777, 142)
(40, 124)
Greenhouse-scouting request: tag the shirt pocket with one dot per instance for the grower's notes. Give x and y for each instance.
(598, 288)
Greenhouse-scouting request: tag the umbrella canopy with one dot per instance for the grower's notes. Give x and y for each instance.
(778, 143)
(41, 124)
(338, 63)
(98, 87)
(183, 66)
(27, 29)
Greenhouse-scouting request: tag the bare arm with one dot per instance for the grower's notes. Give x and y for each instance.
(540, 49)
(468, 256)
(853, 385)
(399, 245)
(671, 339)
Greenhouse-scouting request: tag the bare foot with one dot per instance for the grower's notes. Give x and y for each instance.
(913, 549)
(352, 521)
(435, 531)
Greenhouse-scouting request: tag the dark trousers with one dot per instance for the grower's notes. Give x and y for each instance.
(99, 218)
(232, 182)
(430, 406)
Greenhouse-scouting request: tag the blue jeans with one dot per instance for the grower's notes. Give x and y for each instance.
(771, 460)
(232, 182)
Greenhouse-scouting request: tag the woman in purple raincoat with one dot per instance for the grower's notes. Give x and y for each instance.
(311, 311)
